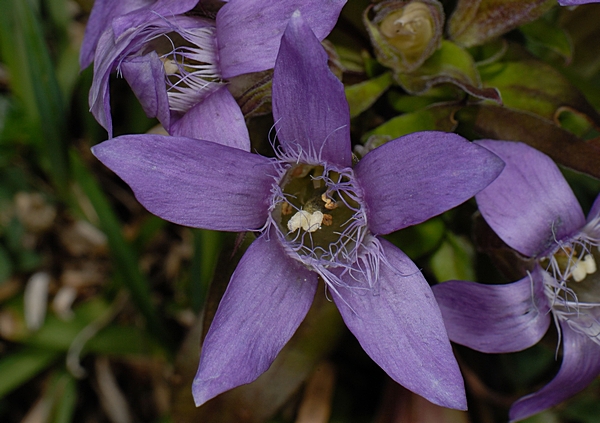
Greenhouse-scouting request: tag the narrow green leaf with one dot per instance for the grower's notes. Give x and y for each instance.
(20, 366)
(207, 246)
(64, 393)
(124, 257)
(33, 81)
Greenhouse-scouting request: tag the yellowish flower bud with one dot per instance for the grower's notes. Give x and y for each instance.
(409, 29)
(404, 33)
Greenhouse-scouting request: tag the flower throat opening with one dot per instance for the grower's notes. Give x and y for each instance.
(190, 62)
(576, 266)
(320, 214)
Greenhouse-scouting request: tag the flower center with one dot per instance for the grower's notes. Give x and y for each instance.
(320, 213)
(189, 57)
(574, 285)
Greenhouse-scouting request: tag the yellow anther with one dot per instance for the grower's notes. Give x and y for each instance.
(329, 203)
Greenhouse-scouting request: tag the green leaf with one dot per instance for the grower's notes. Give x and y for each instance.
(64, 392)
(33, 82)
(475, 22)
(489, 121)
(361, 96)
(535, 87)
(541, 34)
(18, 367)
(449, 64)
(124, 257)
(438, 118)
(454, 259)
(419, 240)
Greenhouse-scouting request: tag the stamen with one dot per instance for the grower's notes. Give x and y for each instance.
(310, 222)
(590, 264)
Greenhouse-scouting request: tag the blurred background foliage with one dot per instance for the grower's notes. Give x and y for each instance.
(103, 306)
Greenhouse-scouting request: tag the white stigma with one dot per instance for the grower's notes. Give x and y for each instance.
(310, 222)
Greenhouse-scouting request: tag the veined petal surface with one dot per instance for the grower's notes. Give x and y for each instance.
(530, 205)
(146, 77)
(580, 366)
(418, 176)
(400, 327)
(495, 318)
(205, 120)
(309, 105)
(193, 182)
(249, 31)
(103, 12)
(266, 300)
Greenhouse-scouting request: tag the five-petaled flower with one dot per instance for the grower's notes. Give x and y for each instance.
(317, 216)
(533, 210)
(174, 54)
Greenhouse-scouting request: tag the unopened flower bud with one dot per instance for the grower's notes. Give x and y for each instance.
(409, 29)
(405, 33)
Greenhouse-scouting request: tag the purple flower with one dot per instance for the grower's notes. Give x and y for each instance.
(532, 208)
(316, 216)
(576, 2)
(174, 59)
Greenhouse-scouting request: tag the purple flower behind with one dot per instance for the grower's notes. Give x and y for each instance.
(576, 2)
(316, 216)
(174, 60)
(532, 208)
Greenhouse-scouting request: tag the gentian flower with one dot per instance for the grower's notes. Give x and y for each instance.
(533, 210)
(174, 58)
(317, 216)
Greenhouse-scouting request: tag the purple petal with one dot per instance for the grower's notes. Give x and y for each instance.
(530, 205)
(193, 182)
(99, 96)
(576, 2)
(217, 118)
(265, 302)
(249, 31)
(103, 12)
(495, 318)
(309, 105)
(400, 327)
(418, 176)
(580, 366)
(595, 210)
(146, 77)
(164, 9)
(111, 52)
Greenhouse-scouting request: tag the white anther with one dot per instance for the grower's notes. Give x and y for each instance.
(578, 271)
(590, 264)
(170, 65)
(310, 222)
